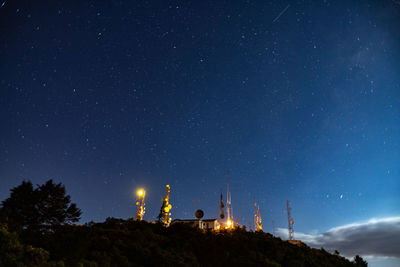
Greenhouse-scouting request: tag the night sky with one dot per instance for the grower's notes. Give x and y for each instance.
(298, 100)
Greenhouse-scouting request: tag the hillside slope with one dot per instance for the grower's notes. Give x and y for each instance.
(129, 243)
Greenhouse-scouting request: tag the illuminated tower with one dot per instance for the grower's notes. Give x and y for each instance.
(257, 218)
(290, 221)
(140, 195)
(229, 213)
(164, 216)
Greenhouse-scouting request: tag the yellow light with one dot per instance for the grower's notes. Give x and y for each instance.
(140, 192)
(229, 223)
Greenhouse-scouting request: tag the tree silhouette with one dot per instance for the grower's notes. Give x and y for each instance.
(14, 253)
(360, 261)
(47, 205)
(54, 206)
(19, 211)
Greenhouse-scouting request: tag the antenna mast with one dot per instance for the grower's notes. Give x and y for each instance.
(290, 221)
(164, 215)
(229, 215)
(257, 218)
(273, 228)
(221, 207)
(140, 194)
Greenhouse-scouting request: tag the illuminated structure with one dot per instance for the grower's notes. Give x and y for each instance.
(229, 214)
(165, 216)
(140, 195)
(257, 218)
(207, 224)
(290, 221)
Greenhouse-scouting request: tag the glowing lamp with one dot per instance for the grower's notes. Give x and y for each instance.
(140, 192)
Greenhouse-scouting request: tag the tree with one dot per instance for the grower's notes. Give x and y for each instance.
(19, 211)
(14, 253)
(358, 261)
(47, 205)
(54, 206)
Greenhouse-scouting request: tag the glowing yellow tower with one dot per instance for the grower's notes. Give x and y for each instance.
(229, 213)
(257, 218)
(165, 216)
(140, 195)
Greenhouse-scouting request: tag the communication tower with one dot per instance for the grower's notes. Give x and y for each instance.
(257, 218)
(273, 228)
(165, 216)
(140, 195)
(229, 213)
(290, 221)
(221, 207)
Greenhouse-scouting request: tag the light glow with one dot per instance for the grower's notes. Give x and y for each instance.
(140, 192)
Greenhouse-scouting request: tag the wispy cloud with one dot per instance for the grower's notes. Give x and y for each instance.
(376, 238)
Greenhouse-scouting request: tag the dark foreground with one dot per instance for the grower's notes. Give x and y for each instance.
(129, 243)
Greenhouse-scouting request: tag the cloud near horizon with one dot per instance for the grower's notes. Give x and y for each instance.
(376, 238)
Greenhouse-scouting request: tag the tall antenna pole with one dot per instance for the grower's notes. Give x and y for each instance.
(257, 218)
(164, 215)
(228, 202)
(221, 207)
(229, 215)
(290, 221)
(273, 228)
(140, 194)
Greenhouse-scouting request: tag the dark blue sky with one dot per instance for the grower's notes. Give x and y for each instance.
(300, 100)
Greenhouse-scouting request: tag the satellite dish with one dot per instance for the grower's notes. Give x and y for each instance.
(199, 214)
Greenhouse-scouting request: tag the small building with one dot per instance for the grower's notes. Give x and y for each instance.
(208, 224)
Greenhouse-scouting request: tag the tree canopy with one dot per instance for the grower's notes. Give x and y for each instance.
(14, 253)
(45, 205)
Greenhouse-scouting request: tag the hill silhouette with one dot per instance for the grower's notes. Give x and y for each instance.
(118, 242)
(36, 230)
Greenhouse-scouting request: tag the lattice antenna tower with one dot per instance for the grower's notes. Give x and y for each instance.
(229, 213)
(140, 195)
(257, 218)
(290, 220)
(273, 228)
(165, 216)
(221, 207)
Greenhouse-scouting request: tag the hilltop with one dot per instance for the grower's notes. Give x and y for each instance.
(37, 229)
(118, 242)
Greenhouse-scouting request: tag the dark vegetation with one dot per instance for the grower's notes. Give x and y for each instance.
(43, 235)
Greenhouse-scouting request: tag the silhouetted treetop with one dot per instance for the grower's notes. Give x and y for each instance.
(46, 205)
